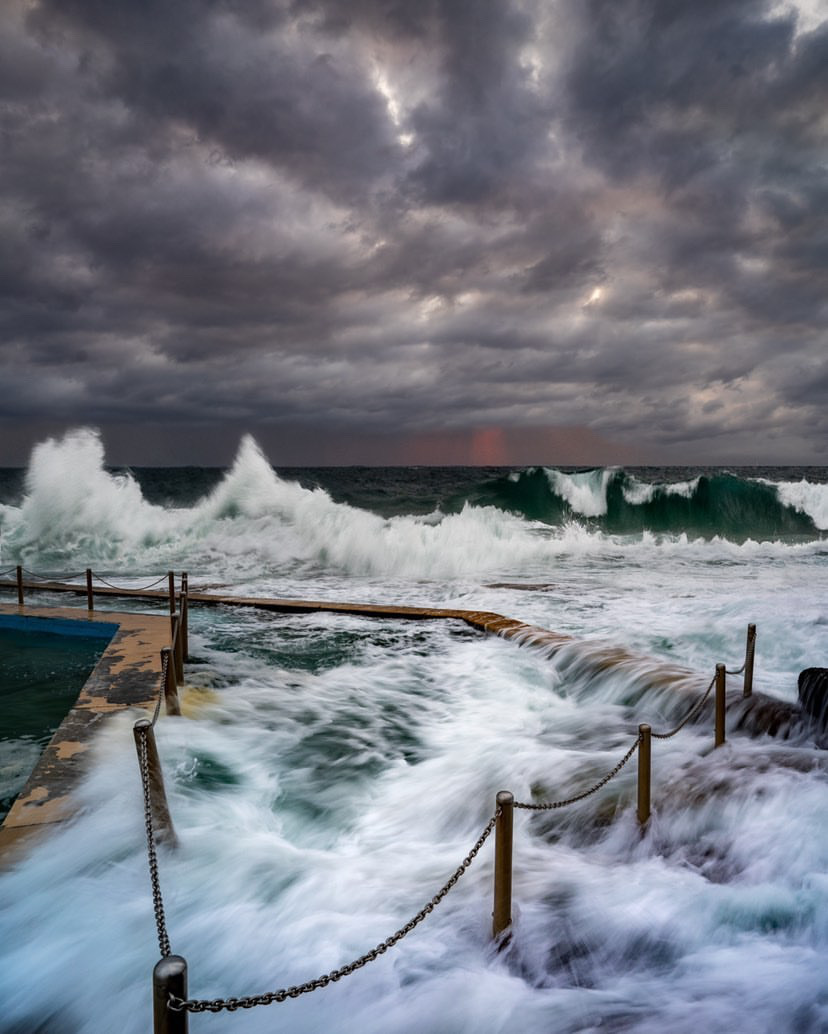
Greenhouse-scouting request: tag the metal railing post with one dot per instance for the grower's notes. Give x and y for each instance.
(502, 914)
(169, 977)
(90, 596)
(750, 650)
(178, 649)
(721, 688)
(171, 581)
(644, 752)
(161, 821)
(19, 586)
(170, 684)
(185, 616)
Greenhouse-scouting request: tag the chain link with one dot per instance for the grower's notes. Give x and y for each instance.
(268, 998)
(694, 710)
(165, 663)
(53, 578)
(152, 858)
(129, 588)
(550, 805)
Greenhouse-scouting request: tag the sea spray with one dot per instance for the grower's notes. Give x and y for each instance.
(330, 789)
(336, 770)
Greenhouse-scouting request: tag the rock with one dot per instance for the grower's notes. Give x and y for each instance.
(813, 695)
(759, 714)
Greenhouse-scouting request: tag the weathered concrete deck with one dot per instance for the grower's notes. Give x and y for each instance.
(128, 674)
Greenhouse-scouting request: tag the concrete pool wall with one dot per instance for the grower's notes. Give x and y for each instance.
(127, 675)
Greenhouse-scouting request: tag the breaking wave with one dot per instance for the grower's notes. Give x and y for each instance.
(76, 511)
(618, 502)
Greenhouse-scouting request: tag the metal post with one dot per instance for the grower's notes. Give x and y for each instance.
(750, 650)
(185, 617)
(644, 745)
(169, 977)
(171, 580)
(502, 914)
(170, 685)
(161, 821)
(19, 586)
(178, 649)
(721, 687)
(90, 596)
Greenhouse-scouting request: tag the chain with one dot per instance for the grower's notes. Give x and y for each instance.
(152, 858)
(165, 663)
(53, 578)
(694, 710)
(549, 806)
(751, 646)
(231, 1004)
(70, 577)
(125, 588)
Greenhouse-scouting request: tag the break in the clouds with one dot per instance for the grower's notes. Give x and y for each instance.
(367, 221)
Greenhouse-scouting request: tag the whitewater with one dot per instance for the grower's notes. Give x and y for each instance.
(332, 771)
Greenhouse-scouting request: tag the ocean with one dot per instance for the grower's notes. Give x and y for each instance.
(332, 771)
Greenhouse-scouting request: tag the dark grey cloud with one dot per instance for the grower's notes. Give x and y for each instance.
(376, 217)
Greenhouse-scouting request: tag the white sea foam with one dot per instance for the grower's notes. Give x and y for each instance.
(343, 768)
(76, 512)
(320, 807)
(586, 493)
(638, 492)
(806, 497)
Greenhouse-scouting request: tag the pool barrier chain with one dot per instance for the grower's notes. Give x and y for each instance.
(61, 583)
(170, 1003)
(171, 1006)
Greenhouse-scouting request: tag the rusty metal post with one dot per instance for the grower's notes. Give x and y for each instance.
(169, 977)
(721, 689)
(178, 649)
(170, 685)
(644, 752)
(502, 914)
(185, 616)
(19, 586)
(171, 581)
(162, 823)
(750, 650)
(90, 596)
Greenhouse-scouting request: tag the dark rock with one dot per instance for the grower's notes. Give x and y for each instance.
(813, 695)
(759, 714)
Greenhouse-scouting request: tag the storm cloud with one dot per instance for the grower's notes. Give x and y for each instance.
(374, 230)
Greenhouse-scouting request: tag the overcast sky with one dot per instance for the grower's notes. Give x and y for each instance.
(416, 231)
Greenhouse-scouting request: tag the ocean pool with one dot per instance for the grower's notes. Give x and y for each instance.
(41, 674)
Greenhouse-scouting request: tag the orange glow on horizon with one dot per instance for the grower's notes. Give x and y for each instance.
(488, 448)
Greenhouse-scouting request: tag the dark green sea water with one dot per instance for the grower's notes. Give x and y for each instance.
(40, 678)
